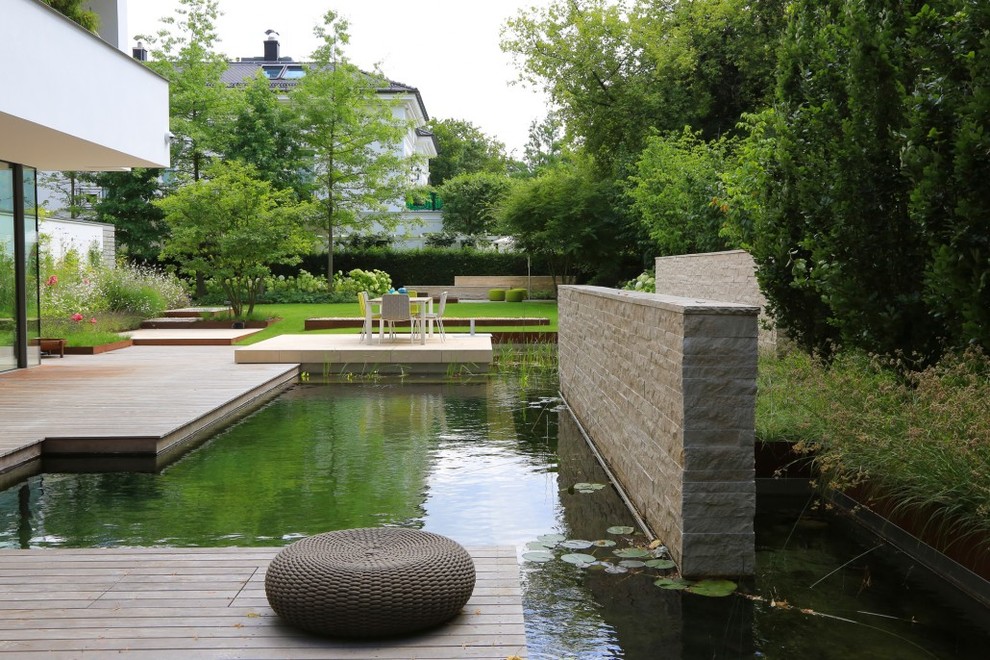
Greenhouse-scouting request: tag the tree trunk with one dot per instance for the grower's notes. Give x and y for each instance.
(330, 257)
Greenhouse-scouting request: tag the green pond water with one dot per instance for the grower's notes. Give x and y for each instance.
(496, 462)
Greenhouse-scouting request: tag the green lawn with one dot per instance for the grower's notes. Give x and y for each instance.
(293, 317)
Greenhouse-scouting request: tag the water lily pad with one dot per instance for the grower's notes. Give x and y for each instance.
(576, 544)
(620, 529)
(612, 568)
(552, 539)
(715, 588)
(672, 583)
(578, 558)
(632, 563)
(539, 545)
(585, 487)
(604, 543)
(538, 556)
(662, 564)
(632, 553)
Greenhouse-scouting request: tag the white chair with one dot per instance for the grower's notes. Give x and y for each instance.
(368, 326)
(395, 307)
(437, 316)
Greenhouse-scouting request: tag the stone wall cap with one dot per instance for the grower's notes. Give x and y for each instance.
(662, 301)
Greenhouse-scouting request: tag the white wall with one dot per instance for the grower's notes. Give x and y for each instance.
(62, 235)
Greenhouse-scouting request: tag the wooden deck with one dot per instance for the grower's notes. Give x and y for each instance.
(146, 400)
(210, 603)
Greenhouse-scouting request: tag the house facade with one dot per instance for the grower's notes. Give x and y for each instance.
(101, 111)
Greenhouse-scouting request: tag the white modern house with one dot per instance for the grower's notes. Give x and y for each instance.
(407, 106)
(101, 110)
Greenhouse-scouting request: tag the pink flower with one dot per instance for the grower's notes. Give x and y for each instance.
(86, 281)
(52, 281)
(93, 320)
(77, 317)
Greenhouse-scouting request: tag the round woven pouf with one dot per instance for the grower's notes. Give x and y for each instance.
(374, 581)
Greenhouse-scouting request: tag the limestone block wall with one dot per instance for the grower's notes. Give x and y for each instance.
(729, 275)
(666, 389)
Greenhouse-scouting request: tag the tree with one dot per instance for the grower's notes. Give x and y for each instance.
(231, 225)
(470, 203)
(353, 136)
(616, 71)
(199, 103)
(566, 215)
(267, 134)
(678, 192)
(463, 148)
(127, 203)
(545, 146)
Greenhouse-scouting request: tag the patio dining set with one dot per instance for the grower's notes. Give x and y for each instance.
(401, 308)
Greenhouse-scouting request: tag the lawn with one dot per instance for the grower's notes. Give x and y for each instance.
(293, 317)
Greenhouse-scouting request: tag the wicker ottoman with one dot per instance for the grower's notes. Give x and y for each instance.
(370, 582)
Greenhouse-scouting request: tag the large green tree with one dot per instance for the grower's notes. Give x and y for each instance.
(268, 135)
(126, 203)
(678, 192)
(463, 148)
(618, 70)
(870, 228)
(232, 225)
(184, 52)
(353, 135)
(567, 216)
(470, 203)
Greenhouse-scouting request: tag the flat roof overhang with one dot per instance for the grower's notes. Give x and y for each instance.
(74, 102)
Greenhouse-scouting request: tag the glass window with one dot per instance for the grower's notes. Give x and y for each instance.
(32, 318)
(272, 72)
(8, 279)
(293, 72)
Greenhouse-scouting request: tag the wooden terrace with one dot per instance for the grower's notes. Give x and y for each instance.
(194, 603)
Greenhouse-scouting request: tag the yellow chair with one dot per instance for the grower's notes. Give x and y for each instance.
(368, 316)
(413, 307)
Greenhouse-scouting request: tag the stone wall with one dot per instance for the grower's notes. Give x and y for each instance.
(729, 275)
(666, 389)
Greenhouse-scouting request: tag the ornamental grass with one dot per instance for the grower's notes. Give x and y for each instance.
(917, 439)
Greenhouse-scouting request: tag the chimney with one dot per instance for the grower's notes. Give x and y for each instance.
(271, 46)
(139, 52)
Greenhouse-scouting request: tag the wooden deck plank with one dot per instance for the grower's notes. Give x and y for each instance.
(210, 603)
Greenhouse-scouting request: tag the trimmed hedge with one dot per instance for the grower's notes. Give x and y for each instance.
(496, 295)
(434, 266)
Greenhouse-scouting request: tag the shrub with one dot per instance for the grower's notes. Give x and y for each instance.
(646, 281)
(515, 295)
(496, 295)
(72, 286)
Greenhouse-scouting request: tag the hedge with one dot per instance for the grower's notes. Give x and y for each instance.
(428, 266)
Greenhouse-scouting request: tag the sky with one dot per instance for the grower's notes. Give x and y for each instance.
(448, 49)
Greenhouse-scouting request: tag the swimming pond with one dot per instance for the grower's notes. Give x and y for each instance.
(496, 462)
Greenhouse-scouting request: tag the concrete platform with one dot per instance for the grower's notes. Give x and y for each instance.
(347, 353)
(189, 336)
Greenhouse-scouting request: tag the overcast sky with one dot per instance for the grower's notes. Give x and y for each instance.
(448, 49)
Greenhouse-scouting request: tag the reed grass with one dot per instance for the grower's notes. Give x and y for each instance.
(919, 438)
